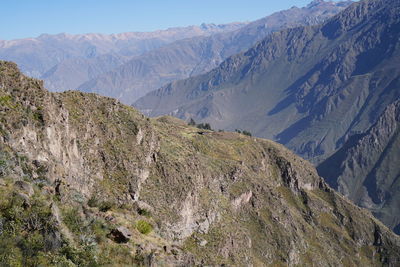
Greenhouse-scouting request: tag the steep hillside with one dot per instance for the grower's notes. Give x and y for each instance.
(366, 169)
(65, 61)
(307, 88)
(198, 55)
(87, 181)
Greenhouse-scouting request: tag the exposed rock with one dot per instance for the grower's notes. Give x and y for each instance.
(121, 234)
(203, 242)
(25, 187)
(24, 199)
(242, 199)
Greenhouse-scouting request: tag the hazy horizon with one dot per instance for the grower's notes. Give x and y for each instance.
(30, 19)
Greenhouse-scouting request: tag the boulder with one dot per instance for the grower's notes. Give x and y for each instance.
(121, 234)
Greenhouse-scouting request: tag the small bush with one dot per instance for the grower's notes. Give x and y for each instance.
(246, 133)
(144, 227)
(205, 126)
(93, 202)
(102, 205)
(243, 132)
(192, 122)
(38, 115)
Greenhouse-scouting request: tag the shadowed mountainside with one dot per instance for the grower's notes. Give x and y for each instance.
(198, 55)
(366, 168)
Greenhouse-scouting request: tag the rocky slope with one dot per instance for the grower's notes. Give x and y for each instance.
(87, 181)
(66, 61)
(307, 88)
(198, 55)
(366, 168)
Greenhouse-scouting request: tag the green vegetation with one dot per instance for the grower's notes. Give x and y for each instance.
(226, 198)
(243, 132)
(204, 126)
(38, 115)
(144, 227)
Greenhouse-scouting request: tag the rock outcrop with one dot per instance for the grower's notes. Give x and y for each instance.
(184, 198)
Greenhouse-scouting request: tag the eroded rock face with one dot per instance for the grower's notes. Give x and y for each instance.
(173, 196)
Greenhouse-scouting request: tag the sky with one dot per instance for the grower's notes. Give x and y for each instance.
(30, 18)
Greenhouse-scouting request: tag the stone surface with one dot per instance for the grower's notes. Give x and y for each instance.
(25, 187)
(121, 234)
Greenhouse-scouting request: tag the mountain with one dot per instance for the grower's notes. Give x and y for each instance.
(198, 55)
(307, 88)
(317, 90)
(87, 181)
(65, 61)
(366, 169)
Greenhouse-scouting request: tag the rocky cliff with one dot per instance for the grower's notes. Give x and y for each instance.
(87, 181)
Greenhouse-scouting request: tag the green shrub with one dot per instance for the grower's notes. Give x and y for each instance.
(73, 220)
(192, 122)
(243, 132)
(246, 133)
(144, 227)
(93, 202)
(205, 126)
(38, 115)
(102, 205)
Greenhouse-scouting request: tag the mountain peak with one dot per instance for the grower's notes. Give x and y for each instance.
(315, 3)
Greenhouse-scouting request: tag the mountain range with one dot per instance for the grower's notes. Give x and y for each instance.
(313, 89)
(198, 55)
(87, 181)
(65, 61)
(129, 65)
(294, 81)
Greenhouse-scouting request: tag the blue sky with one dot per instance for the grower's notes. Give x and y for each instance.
(30, 18)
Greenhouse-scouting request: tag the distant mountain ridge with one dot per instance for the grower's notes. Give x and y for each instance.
(65, 61)
(198, 55)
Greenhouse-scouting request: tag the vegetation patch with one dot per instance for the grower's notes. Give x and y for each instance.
(144, 227)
